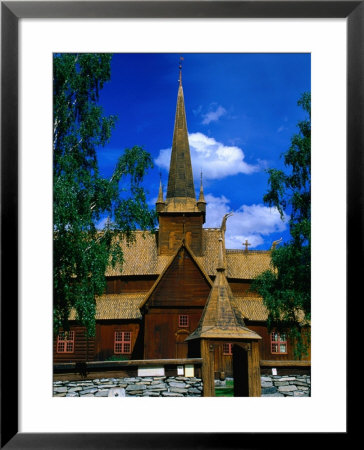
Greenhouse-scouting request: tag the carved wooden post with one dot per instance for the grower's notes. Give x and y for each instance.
(208, 360)
(254, 370)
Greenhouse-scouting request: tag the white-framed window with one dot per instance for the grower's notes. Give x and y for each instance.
(278, 343)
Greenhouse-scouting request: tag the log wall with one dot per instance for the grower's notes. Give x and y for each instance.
(84, 348)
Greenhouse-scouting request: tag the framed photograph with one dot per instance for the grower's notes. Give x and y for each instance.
(332, 33)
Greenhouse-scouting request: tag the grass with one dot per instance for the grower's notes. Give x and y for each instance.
(225, 391)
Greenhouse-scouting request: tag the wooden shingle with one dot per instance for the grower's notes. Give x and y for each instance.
(141, 258)
(117, 306)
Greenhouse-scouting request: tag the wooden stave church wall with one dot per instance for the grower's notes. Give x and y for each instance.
(161, 305)
(182, 290)
(265, 344)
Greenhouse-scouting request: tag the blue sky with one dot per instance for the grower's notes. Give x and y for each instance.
(241, 114)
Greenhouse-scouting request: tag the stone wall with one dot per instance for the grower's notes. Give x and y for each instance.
(130, 387)
(272, 386)
(286, 386)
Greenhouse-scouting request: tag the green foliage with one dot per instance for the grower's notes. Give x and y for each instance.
(286, 289)
(81, 196)
(117, 358)
(225, 391)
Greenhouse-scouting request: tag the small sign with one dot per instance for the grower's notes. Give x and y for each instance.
(156, 371)
(180, 370)
(189, 370)
(274, 371)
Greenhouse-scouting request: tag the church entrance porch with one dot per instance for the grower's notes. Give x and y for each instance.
(245, 367)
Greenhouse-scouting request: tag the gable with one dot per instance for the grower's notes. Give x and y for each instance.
(183, 284)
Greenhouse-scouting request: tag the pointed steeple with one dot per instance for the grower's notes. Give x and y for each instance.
(180, 181)
(201, 198)
(160, 202)
(219, 319)
(180, 216)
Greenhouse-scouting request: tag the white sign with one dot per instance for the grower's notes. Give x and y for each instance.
(189, 370)
(180, 370)
(151, 371)
(274, 371)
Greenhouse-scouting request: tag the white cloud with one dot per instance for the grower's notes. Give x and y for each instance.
(213, 116)
(251, 222)
(215, 159)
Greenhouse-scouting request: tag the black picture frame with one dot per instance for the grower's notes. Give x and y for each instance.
(11, 12)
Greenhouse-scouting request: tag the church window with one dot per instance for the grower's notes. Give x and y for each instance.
(66, 342)
(122, 342)
(227, 348)
(278, 342)
(183, 320)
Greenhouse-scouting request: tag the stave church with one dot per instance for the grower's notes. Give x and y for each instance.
(179, 286)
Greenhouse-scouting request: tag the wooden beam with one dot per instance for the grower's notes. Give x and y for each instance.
(128, 363)
(207, 353)
(254, 370)
(288, 363)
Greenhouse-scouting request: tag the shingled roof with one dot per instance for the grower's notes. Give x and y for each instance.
(219, 319)
(141, 258)
(251, 308)
(117, 306)
(126, 306)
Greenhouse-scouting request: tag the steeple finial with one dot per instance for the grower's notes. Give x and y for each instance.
(180, 70)
(201, 198)
(159, 204)
(160, 194)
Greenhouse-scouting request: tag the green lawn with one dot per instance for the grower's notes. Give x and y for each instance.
(225, 391)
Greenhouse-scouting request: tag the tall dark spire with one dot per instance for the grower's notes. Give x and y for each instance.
(180, 182)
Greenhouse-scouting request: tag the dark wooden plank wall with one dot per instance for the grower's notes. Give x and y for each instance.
(188, 226)
(223, 363)
(265, 345)
(105, 339)
(183, 285)
(116, 285)
(163, 337)
(239, 287)
(101, 347)
(81, 353)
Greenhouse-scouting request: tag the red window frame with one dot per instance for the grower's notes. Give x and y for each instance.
(277, 340)
(183, 321)
(66, 342)
(227, 348)
(122, 342)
